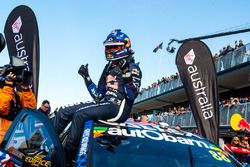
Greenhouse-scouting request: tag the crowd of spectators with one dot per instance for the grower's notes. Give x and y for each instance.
(162, 80)
(224, 51)
(179, 110)
(174, 111)
(228, 48)
(232, 101)
(239, 148)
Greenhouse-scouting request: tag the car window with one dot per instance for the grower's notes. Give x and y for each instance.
(132, 148)
(32, 138)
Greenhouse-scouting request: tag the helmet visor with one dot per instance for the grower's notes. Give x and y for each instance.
(113, 47)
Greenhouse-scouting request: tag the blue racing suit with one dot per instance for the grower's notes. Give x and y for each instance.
(114, 86)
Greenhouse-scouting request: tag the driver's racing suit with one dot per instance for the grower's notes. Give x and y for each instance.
(114, 86)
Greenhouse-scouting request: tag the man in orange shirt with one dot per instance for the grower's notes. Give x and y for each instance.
(13, 101)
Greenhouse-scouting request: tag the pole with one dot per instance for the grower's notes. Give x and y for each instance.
(158, 75)
(214, 35)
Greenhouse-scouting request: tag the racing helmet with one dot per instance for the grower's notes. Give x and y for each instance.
(117, 46)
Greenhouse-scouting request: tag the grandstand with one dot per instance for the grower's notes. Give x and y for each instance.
(233, 74)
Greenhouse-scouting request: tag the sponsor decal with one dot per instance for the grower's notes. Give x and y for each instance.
(135, 71)
(4, 158)
(19, 42)
(38, 124)
(198, 85)
(239, 123)
(189, 57)
(8, 161)
(111, 82)
(37, 160)
(219, 156)
(16, 26)
(128, 42)
(99, 131)
(155, 135)
(82, 155)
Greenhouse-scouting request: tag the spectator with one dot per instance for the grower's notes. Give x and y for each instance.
(220, 53)
(234, 143)
(12, 101)
(144, 119)
(235, 100)
(216, 55)
(229, 48)
(236, 45)
(245, 144)
(133, 118)
(227, 103)
(240, 43)
(195, 131)
(243, 99)
(45, 107)
(178, 127)
(224, 51)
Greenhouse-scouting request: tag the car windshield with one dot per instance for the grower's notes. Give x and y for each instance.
(31, 142)
(132, 148)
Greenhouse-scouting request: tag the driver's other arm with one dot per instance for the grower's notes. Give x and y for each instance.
(132, 87)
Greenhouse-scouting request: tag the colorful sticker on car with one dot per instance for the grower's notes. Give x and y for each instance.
(99, 131)
(4, 158)
(219, 156)
(8, 161)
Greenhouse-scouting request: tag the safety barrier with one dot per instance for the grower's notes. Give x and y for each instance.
(187, 119)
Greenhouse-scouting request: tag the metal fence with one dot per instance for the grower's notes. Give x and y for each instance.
(187, 119)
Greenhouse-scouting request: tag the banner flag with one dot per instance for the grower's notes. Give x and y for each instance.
(197, 71)
(158, 47)
(22, 38)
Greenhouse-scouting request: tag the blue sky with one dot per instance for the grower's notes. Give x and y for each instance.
(71, 33)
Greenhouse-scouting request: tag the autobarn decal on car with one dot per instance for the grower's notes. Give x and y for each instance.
(155, 135)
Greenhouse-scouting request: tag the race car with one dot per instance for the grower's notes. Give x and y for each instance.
(32, 141)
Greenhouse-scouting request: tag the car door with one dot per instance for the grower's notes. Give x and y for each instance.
(32, 140)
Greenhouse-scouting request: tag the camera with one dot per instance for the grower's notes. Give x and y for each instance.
(17, 67)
